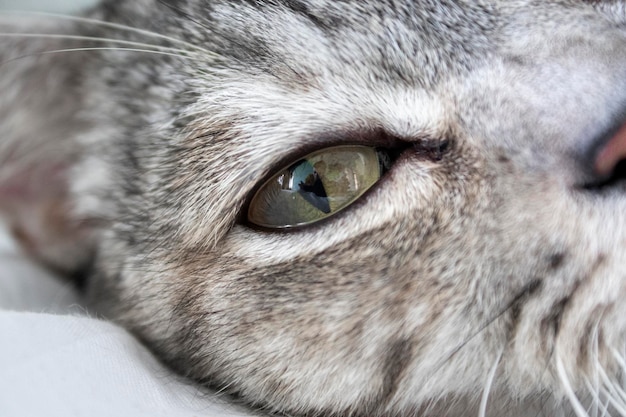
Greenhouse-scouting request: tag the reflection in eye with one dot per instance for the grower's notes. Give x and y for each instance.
(310, 185)
(317, 186)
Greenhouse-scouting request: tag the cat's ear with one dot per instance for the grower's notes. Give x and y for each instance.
(35, 204)
(40, 104)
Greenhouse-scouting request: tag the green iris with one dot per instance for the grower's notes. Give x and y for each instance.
(316, 187)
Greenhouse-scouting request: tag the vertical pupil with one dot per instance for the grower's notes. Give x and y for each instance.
(309, 185)
(317, 186)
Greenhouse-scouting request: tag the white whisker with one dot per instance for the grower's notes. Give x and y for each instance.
(92, 39)
(619, 358)
(596, 387)
(615, 394)
(482, 411)
(612, 385)
(605, 410)
(622, 364)
(574, 402)
(600, 404)
(58, 51)
(114, 26)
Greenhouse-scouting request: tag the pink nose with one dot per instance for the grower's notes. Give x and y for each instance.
(611, 154)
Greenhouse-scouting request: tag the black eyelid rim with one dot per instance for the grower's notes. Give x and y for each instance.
(376, 139)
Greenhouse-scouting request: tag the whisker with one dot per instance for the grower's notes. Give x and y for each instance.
(615, 394)
(58, 51)
(622, 364)
(482, 411)
(594, 347)
(619, 358)
(574, 401)
(91, 39)
(594, 390)
(613, 386)
(525, 292)
(113, 25)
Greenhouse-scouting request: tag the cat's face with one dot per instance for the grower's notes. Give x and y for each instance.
(496, 241)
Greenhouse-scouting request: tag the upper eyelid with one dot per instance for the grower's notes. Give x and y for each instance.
(376, 138)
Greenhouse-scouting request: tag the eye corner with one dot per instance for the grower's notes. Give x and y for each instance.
(432, 149)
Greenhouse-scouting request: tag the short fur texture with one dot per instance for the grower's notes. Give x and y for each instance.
(485, 271)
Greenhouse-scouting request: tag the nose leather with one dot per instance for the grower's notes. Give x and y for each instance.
(611, 154)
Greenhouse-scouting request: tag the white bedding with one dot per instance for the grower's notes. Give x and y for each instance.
(55, 360)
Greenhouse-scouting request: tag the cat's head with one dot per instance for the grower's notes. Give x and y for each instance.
(482, 241)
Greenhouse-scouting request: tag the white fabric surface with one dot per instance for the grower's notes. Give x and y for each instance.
(55, 360)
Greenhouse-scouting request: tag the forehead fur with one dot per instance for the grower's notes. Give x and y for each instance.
(391, 41)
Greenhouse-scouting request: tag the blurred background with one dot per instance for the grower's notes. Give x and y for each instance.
(46, 5)
(24, 285)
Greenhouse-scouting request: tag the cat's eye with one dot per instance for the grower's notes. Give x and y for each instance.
(316, 186)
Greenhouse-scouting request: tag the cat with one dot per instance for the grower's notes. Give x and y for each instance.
(337, 208)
